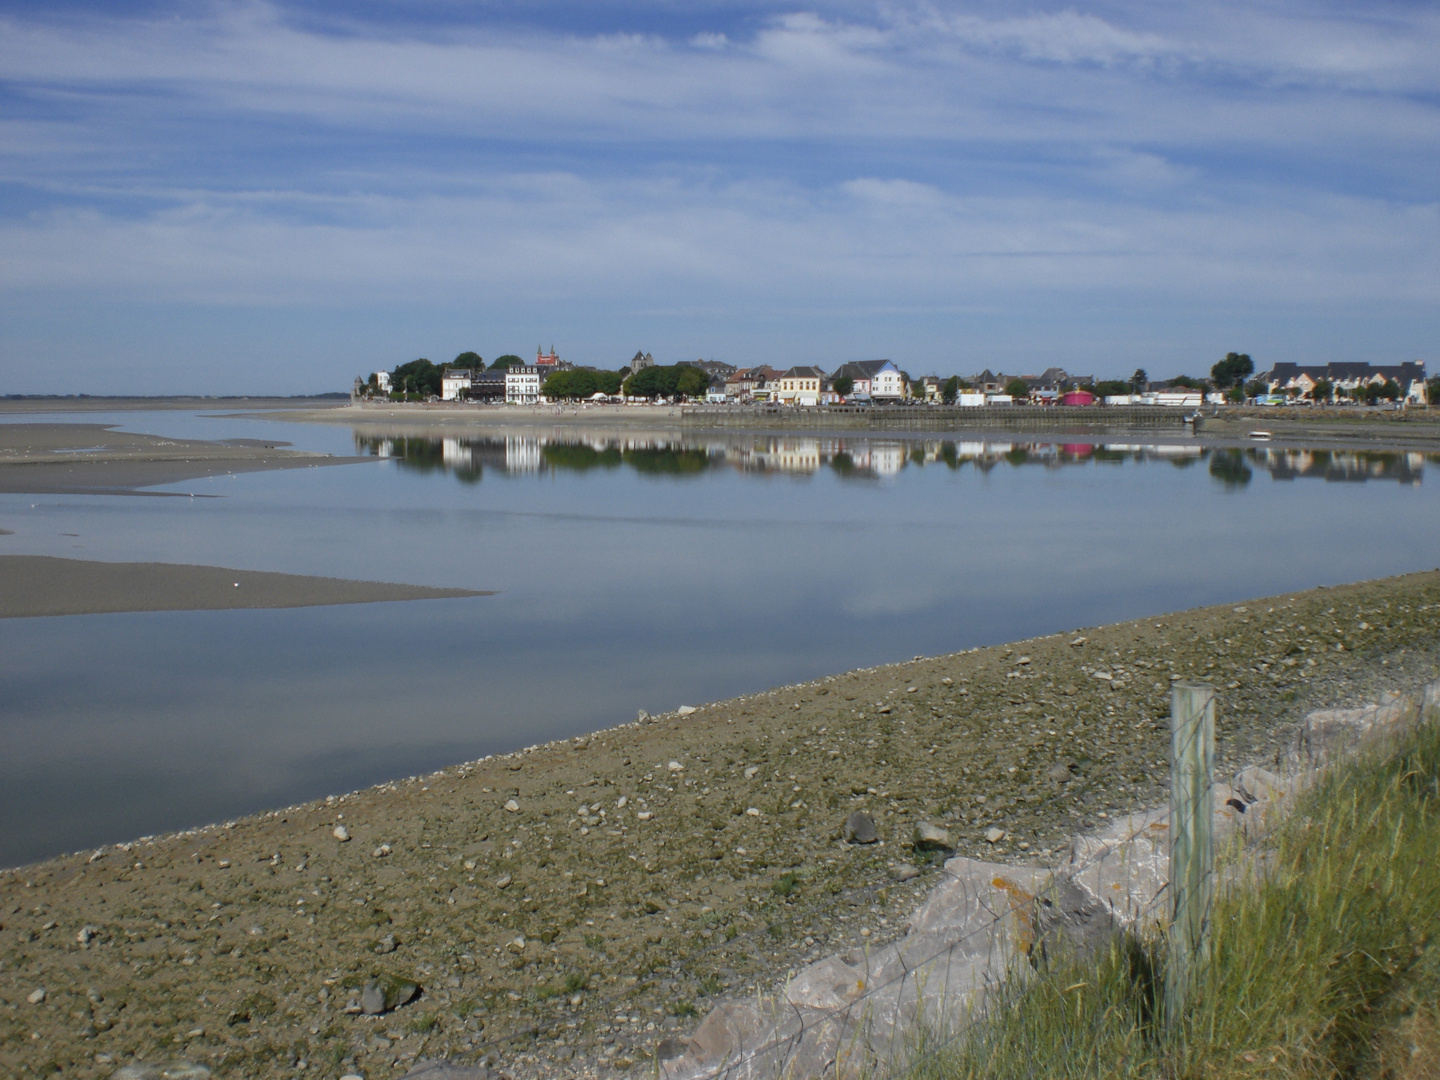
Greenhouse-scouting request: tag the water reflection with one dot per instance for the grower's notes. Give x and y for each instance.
(869, 458)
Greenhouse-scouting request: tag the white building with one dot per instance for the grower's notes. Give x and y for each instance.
(382, 381)
(522, 384)
(453, 384)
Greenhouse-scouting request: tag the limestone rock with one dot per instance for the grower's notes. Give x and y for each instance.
(685, 710)
(929, 837)
(170, 1070)
(642, 717)
(860, 829)
(447, 1070)
(906, 872)
(387, 992)
(994, 835)
(340, 833)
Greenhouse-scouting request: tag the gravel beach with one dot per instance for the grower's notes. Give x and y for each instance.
(565, 908)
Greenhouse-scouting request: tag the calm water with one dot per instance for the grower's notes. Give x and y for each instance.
(632, 573)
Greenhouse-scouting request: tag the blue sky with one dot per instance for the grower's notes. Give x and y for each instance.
(273, 197)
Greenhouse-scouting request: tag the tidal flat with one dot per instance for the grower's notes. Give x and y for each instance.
(568, 906)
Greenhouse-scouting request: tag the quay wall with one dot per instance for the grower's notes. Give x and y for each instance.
(935, 418)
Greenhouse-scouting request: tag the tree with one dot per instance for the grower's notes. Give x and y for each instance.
(1322, 390)
(569, 384)
(1432, 391)
(843, 385)
(951, 390)
(1235, 368)
(509, 360)
(1139, 382)
(417, 377)
(1016, 388)
(661, 380)
(470, 361)
(691, 382)
(1256, 387)
(1110, 388)
(1188, 383)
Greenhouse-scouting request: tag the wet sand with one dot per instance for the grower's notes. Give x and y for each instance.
(35, 585)
(567, 906)
(93, 459)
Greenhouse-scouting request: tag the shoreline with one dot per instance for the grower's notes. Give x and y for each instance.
(1328, 428)
(529, 923)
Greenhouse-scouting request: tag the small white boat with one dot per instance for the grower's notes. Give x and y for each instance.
(1261, 435)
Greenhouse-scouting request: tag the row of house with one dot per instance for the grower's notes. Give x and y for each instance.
(1346, 379)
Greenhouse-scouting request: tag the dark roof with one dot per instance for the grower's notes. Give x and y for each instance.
(804, 371)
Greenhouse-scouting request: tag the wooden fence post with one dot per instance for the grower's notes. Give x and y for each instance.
(1192, 850)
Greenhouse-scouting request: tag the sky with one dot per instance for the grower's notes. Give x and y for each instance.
(248, 197)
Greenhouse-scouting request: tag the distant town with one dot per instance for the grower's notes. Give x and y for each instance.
(513, 380)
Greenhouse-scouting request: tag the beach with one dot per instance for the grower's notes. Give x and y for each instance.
(566, 907)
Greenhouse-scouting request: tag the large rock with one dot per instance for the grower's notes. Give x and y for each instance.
(448, 1070)
(387, 992)
(170, 1070)
(929, 837)
(860, 829)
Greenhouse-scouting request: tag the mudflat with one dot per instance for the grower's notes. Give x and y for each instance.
(566, 907)
(34, 585)
(56, 458)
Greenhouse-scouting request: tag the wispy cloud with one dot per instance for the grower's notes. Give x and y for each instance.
(923, 158)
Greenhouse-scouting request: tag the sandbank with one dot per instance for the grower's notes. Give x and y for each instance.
(541, 896)
(35, 585)
(65, 458)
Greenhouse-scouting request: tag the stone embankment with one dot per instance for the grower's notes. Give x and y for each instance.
(858, 1011)
(564, 910)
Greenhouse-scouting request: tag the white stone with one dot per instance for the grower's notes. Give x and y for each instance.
(512, 806)
(685, 710)
(994, 835)
(753, 811)
(341, 833)
(36, 996)
(675, 766)
(751, 772)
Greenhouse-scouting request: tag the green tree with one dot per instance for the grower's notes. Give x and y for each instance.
(692, 382)
(1235, 368)
(843, 385)
(1432, 391)
(1256, 387)
(951, 389)
(1110, 387)
(470, 361)
(667, 381)
(1188, 383)
(569, 384)
(1139, 382)
(417, 377)
(509, 360)
(1016, 388)
(1322, 390)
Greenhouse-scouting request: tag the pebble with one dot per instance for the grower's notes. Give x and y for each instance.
(906, 872)
(751, 772)
(860, 829)
(994, 835)
(642, 717)
(753, 811)
(1059, 772)
(385, 993)
(341, 833)
(675, 766)
(36, 996)
(686, 710)
(512, 806)
(382, 851)
(644, 815)
(504, 881)
(170, 1070)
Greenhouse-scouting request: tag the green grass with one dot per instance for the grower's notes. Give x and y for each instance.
(1325, 966)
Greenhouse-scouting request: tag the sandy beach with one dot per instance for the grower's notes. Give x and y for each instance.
(66, 458)
(566, 907)
(34, 585)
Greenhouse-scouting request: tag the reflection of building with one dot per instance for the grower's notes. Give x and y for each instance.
(523, 453)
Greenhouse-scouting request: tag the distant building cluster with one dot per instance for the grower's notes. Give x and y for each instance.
(548, 378)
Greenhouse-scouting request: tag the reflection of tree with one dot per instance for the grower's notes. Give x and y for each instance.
(667, 461)
(843, 463)
(1230, 468)
(580, 456)
(1018, 456)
